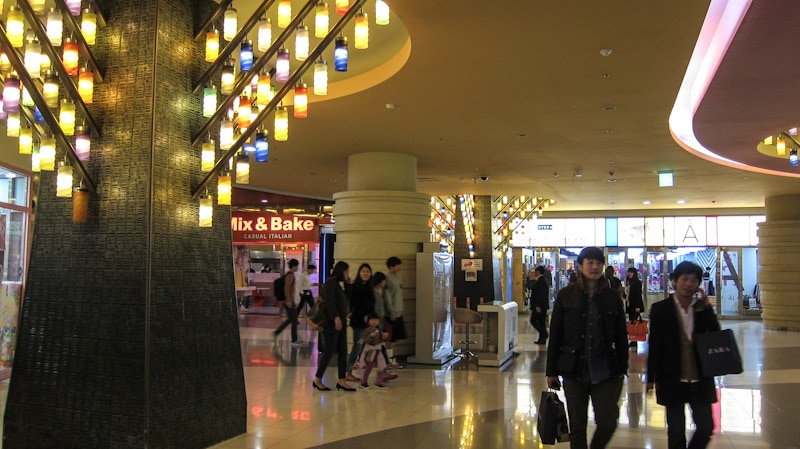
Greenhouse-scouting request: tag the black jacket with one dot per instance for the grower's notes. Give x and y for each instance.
(335, 297)
(568, 330)
(540, 296)
(664, 356)
(362, 302)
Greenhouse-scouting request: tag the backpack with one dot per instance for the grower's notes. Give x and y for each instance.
(279, 288)
(318, 316)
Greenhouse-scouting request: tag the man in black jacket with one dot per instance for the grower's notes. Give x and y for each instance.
(589, 350)
(672, 363)
(540, 303)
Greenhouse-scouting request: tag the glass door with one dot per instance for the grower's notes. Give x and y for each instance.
(729, 294)
(655, 273)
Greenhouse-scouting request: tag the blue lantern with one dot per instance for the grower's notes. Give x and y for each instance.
(340, 54)
(262, 146)
(246, 56)
(793, 158)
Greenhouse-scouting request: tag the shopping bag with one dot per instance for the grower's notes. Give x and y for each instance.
(318, 316)
(552, 419)
(718, 353)
(637, 330)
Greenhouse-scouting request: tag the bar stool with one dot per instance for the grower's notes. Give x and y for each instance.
(467, 317)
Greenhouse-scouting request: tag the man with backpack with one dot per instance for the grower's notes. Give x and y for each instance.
(288, 297)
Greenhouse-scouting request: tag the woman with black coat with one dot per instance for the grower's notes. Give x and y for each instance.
(362, 302)
(633, 297)
(334, 293)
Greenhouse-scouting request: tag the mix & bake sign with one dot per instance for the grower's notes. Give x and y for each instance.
(257, 227)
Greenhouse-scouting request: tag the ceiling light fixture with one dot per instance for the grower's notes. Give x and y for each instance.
(666, 179)
(681, 201)
(646, 202)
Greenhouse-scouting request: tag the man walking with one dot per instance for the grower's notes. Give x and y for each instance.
(589, 350)
(540, 303)
(290, 303)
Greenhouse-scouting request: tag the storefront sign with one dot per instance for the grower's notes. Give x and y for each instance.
(472, 264)
(258, 227)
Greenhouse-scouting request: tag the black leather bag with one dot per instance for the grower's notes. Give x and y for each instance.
(318, 316)
(718, 353)
(551, 422)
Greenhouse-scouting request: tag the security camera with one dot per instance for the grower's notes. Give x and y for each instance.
(484, 178)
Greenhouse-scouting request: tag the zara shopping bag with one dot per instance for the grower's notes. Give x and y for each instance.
(718, 353)
(552, 420)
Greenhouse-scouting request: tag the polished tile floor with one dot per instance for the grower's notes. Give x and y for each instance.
(459, 406)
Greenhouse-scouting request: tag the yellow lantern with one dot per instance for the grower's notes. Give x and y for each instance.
(64, 181)
(15, 27)
(242, 169)
(362, 31)
(206, 212)
(263, 90)
(281, 124)
(50, 90)
(89, 26)
(25, 140)
(212, 45)
(12, 124)
(86, 86)
(66, 120)
(321, 19)
(224, 190)
(207, 156)
(47, 154)
(284, 13)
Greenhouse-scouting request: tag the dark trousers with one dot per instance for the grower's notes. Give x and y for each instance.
(305, 298)
(334, 341)
(605, 402)
(539, 322)
(291, 319)
(676, 422)
(355, 352)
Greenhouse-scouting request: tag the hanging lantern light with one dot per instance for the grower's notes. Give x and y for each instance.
(66, 117)
(27, 99)
(207, 154)
(227, 78)
(86, 85)
(55, 27)
(264, 34)
(781, 146)
(212, 45)
(793, 158)
(321, 77)
(381, 13)
(226, 134)
(321, 19)
(25, 140)
(5, 64)
(46, 65)
(243, 169)
(281, 124)
(340, 54)
(301, 43)
(64, 181)
(50, 90)
(230, 25)
(209, 101)
(11, 94)
(47, 154)
(89, 26)
(262, 90)
(342, 6)
(36, 160)
(33, 58)
(37, 6)
(15, 27)
(12, 124)
(37, 115)
(224, 189)
(83, 143)
(249, 147)
(70, 57)
(74, 7)
(301, 100)
(282, 66)
(262, 146)
(246, 55)
(361, 31)
(284, 13)
(80, 204)
(206, 212)
(245, 109)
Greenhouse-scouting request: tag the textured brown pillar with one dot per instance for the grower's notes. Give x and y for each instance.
(128, 332)
(778, 247)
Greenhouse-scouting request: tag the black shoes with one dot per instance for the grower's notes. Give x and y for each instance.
(322, 388)
(342, 387)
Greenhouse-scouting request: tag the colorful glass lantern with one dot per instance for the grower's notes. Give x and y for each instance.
(36, 159)
(301, 43)
(212, 45)
(230, 24)
(321, 77)
(86, 86)
(74, 7)
(50, 90)
(781, 146)
(12, 124)
(45, 62)
(262, 146)
(262, 91)
(47, 154)
(55, 27)
(793, 158)
(382, 13)
(246, 56)
(37, 115)
(25, 140)
(340, 54)
(33, 58)
(89, 26)
(37, 6)
(264, 34)
(284, 13)
(321, 19)
(15, 27)
(245, 108)
(226, 134)
(301, 101)
(342, 6)
(83, 143)
(66, 117)
(209, 101)
(5, 64)
(80, 205)
(282, 67)
(243, 169)
(249, 148)
(206, 212)
(281, 124)
(11, 94)
(70, 56)
(207, 154)
(64, 181)
(224, 190)
(227, 78)
(361, 31)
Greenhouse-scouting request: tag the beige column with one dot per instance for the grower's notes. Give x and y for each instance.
(778, 250)
(382, 215)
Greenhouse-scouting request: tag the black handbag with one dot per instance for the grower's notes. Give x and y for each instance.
(551, 422)
(718, 353)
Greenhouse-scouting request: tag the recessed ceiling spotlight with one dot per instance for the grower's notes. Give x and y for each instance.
(578, 174)
(646, 202)
(265, 201)
(606, 52)
(390, 106)
(681, 201)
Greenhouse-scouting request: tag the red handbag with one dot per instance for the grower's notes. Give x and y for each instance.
(637, 330)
